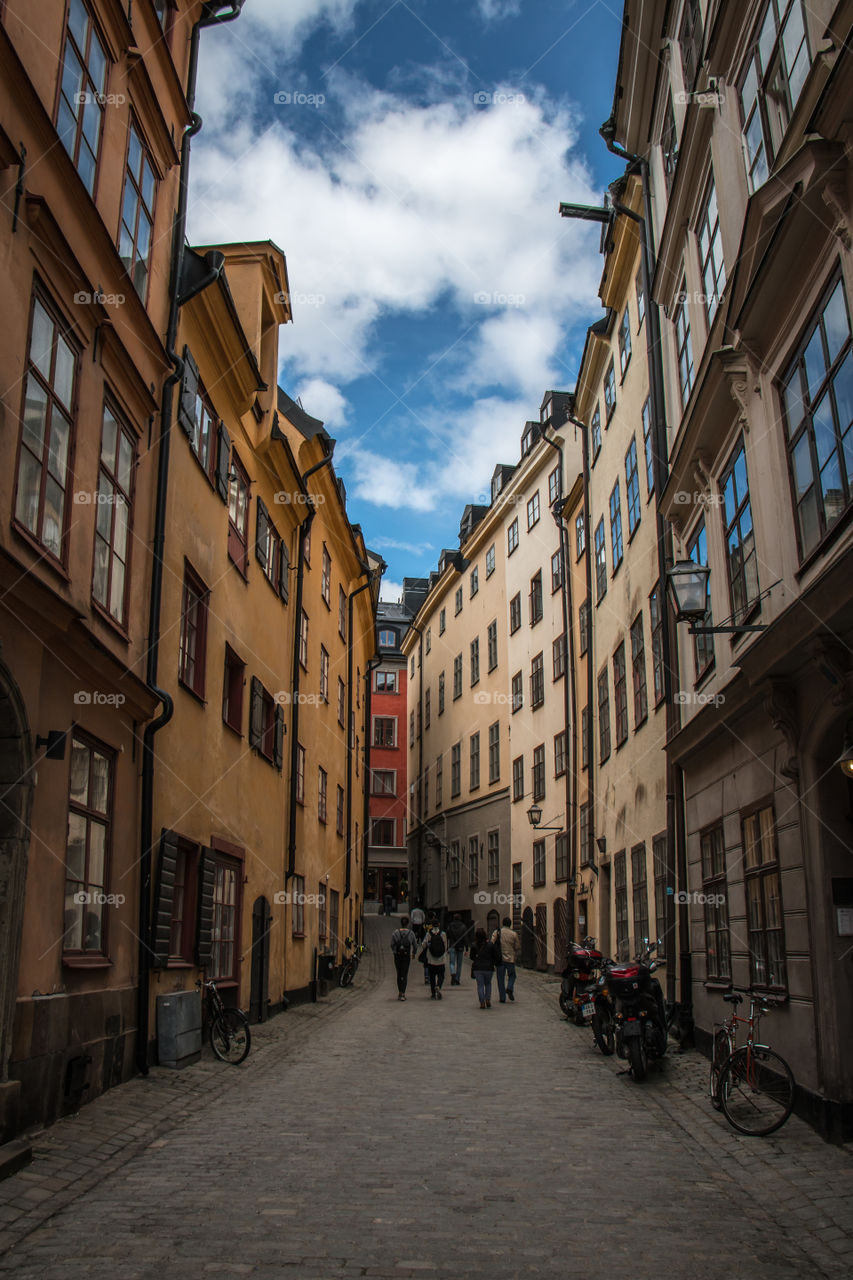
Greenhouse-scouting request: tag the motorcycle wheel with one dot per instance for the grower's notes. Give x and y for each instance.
(565, 1004)
(602, 1029)
(637, 1058)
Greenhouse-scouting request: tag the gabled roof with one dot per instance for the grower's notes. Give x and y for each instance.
(306, 425)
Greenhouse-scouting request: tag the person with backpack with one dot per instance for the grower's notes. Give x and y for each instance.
(419, 930)
(433, 951)
(485, 957)
(457, 933)
(403, 944)
(509, 949)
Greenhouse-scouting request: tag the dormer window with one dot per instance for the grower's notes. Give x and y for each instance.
(527, 441)
(547, 411)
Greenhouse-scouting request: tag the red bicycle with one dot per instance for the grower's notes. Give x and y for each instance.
(751, 1084)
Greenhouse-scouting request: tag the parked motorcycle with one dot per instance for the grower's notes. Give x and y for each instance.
(604, 1017)
(641, 1033)
(579, 982)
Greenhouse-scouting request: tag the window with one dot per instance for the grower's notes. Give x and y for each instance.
(457, 677)
(455, 859)
(559, 753)
(234, 678)
(640, 893)
(741, 558)
(538, 777)
(764, 916)
(690, 40)
(703, 645)
(585, 742)
(326, 577)
(46, 434)
(492, 644)
(603, 716)
(580, 535)
(610, 391)
(439, 780)
(303, 640)
(385, 682)
(538, 862)
(600, 562)
(620, 695)
(536, 606)
(718, 963)
(555, 486)
(342, 619)
(493, 849)
(624, 341)
(656, 629)
(411, 728)
(648, 446)
(638, 669)
(266, 544)
(475, 661)
(383, 832)
(771, 83)
(412, 669)
(324, 674)
(184, 902)
(561, 857)
(475, 581)
(517, 691)
(711, 252)
(490, 561)
(384, 731)
(87, 851)
(475, 761)
(266, 724)
(427, 708)
(683, 344)
(227, 881)
(512, 537)
(583, 627)
(113, 516)
(558, 654)
(334, 918)
(515, 613)
(587, 858)
(494, 752)
(661, 895)
(516, 895)
(533, 510)
(669, 145)
(384, 782)
(209, 440)
(300, 773)
(616, 526)
(641, 299)
(441, 694)
(632, 487)
(322, 794)
(518, 778)
(137, 212)
(455, 769)
(473, 860)
(442, 622)
(342, 697)
(817, 395)
(322, 923)
(458, 600)
(428, 640)
(595, 431)
(620, 895)
(556, 571)
(297, 907)
(537, 681)
(238, 515)
(82, 94)
(192, 658)
(339, 812)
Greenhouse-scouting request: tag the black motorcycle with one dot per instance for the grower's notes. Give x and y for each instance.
(604, 1016)
(579, 982)
(641, 1033)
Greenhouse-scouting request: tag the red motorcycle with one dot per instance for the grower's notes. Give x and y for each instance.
(580, 981)
(641, 1030)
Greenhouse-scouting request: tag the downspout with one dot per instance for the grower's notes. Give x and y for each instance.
(420, 888)
(372, 574)
(590, 664)
(372, 665)
(146, 817)
(676, 853)
(569, 705)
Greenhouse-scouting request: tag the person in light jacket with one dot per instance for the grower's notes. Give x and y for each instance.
(433, 953)
(506, 939)
(485, 956)
(403, 944)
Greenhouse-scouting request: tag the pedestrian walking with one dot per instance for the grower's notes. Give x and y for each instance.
(418, 919)
(485, 956)
(509, 945)
(457, 934)
(433, 951)
(403, 945)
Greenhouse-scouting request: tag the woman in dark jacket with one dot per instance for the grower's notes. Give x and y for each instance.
(485, 956)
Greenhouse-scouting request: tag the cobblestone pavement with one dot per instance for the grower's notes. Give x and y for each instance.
(367, 1137)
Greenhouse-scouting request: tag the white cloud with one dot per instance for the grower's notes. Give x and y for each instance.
(386, 482)
(324, 401)
(493, 10)
(393, 544)
(392, 592)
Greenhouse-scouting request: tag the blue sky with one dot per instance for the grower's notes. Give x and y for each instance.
(409, 157)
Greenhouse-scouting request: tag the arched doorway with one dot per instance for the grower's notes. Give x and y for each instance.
(258, 998)
(16, 795)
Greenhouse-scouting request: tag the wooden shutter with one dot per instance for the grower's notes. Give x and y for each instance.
(263, 541)
(256, 714)
(223, 460)
(161, 925)
(206, 886)
(278, 744)
(189, 391)
(283, 571)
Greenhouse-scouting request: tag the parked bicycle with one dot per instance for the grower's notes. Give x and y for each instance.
(228, 1029)
(750, 1083)
(350, 965)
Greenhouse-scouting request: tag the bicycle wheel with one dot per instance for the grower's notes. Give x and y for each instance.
(756, 1091)
(347, 974)
(230, 1037)
(722, 1048)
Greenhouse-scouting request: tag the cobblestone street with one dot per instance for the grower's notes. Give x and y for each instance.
(365, 1137)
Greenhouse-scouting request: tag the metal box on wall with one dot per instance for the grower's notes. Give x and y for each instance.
(179, 1029)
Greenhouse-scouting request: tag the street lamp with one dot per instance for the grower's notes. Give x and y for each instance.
(845, 760)
(534, 817)
(688, 583)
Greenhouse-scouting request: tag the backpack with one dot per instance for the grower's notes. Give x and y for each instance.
(400, 944)
(436, 946)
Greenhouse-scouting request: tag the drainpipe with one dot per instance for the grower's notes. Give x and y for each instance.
(569, 704)
(676, 853)
(372, 665)
(209, 17)
(372, 575)
(420, 889)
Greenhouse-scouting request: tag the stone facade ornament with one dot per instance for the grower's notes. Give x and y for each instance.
(780, 705)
